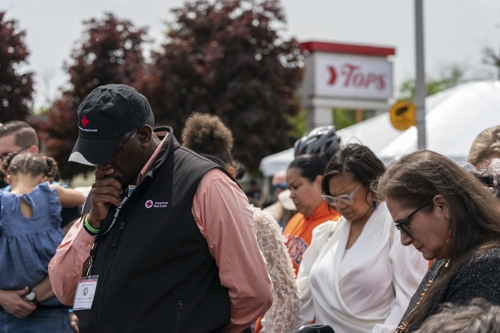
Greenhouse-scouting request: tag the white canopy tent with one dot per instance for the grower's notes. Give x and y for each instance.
(454, 118)
(271, 164)
(453, 123)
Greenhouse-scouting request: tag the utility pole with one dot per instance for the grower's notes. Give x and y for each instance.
(420, 81)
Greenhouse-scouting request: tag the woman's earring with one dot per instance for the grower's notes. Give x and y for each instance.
(374, 204)
(448, 241)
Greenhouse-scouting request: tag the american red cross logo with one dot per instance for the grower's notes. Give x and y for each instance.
(149, 204)
(85, 121)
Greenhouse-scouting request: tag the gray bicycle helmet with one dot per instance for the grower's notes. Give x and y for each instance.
(322, 141)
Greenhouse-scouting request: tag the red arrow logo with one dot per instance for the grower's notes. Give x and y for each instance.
(333, 75)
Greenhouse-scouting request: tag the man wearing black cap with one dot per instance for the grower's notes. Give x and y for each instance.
(168, 244)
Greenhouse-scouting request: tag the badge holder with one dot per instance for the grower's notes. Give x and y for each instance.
(85, 290)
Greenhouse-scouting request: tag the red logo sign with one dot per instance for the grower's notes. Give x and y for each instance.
(149, 204)
(354, 77)
(333, 75)
(85, 121)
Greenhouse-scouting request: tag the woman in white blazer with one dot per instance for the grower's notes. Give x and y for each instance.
(356, 276)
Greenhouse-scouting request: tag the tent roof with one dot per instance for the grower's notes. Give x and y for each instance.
(271, 164)
(454, 118)
(454, 122)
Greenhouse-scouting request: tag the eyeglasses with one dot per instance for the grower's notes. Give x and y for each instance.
(400, 224)
(4, 156)
(281, 186)
(343, 198)
(111, 160)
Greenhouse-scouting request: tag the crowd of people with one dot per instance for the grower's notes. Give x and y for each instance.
(167, 240)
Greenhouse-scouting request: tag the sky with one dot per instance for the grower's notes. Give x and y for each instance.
(455, 31)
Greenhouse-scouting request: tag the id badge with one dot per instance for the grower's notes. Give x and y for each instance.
(131, 189)
(85, 292)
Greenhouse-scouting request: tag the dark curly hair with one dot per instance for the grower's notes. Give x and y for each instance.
(27, 163)
(207, 135)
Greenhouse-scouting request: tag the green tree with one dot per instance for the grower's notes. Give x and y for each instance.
(227, 58)
(490, 57)
(343, 118)
(453, 77)
(16, 88)
(299, 124)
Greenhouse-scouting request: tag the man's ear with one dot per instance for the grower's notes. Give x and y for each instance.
(7, 178)
(145, 133)
(441, 204)
(231, 171)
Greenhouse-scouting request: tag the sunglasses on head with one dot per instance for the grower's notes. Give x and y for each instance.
(282, 186)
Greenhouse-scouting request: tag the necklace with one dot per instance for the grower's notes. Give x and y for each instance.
(403, 327)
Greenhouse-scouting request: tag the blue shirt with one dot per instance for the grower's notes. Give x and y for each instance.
(28, 244)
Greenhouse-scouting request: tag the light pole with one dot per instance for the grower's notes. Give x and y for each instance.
(420, 81)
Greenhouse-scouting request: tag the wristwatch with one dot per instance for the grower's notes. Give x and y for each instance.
(31, 296)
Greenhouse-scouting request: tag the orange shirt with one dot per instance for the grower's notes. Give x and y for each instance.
(298, 231)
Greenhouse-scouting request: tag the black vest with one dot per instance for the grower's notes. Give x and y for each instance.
(156, 273)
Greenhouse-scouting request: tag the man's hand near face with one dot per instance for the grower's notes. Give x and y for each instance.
(106, 191)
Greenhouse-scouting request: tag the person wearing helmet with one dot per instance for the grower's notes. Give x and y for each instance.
(312, 152)
(322, 141)
(303, 177)
(304, 181)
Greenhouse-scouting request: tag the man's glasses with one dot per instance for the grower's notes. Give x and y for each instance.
(281, 186)
(4, 156)
(111, 160)
(344, 198)
(401, 224)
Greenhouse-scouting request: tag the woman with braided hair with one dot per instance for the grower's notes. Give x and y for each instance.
(29, 235)
(206, 135)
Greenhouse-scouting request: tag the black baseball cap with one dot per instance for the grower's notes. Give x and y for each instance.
(104, 117)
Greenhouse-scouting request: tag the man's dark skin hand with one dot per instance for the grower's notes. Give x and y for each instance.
(111, 179)
(106, 191)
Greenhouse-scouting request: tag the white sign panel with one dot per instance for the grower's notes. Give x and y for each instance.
(352, 76)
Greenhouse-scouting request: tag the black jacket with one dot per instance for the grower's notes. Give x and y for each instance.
(156, 273)
(477, 278)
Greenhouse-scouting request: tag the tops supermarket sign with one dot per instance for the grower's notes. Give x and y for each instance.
(352, 76)
(347, 71)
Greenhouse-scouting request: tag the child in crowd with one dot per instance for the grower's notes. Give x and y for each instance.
(30, 216)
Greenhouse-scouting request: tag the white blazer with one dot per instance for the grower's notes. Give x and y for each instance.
(365, 289)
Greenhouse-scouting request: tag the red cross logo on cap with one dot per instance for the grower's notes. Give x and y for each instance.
(149, 204)
(85, 121)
